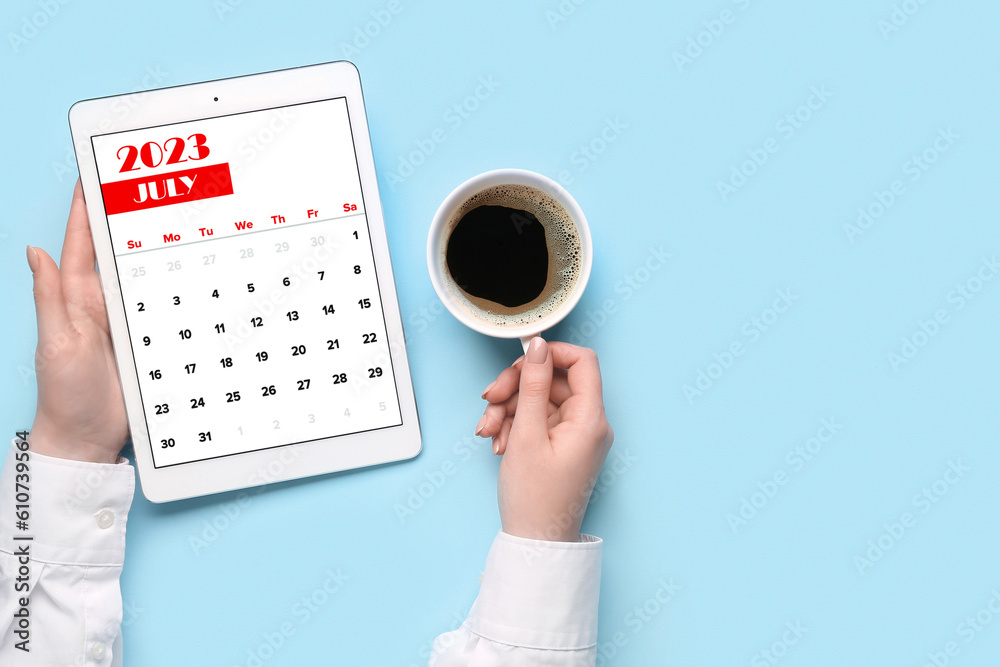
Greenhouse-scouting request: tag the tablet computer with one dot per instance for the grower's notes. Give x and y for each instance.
(243, 255)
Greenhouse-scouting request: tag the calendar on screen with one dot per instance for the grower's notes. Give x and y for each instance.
(248, 281)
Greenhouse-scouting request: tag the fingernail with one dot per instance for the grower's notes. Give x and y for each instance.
(481, 425)
(517, 360)
(32, 259)
(487, 390)
(537, 351)
(496, 446)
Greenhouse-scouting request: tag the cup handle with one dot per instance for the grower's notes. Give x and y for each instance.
(525, 341)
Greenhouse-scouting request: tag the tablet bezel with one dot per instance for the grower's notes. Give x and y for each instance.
(221, 97)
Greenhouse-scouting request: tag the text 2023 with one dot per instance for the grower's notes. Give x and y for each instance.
(151, 154)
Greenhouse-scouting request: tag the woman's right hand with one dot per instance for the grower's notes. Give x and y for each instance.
(546, 418)
(81, 412)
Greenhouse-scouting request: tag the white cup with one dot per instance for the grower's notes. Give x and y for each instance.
(454, 300)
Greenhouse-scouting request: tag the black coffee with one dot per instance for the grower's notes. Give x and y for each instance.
(512, 255)
(498, 253)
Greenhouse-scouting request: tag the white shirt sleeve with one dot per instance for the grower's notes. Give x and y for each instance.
(537, 606)
(68, 571)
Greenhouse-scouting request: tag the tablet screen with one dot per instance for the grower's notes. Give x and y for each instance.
(248, 281)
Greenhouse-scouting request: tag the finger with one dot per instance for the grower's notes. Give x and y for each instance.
(492, 419)
(560, 391)
(503, 437)
(504, 386)
(78, 246)
(534, 388)
(50, 307)
(495, 413)
(558, 394)
(583, 371)
(564, 355)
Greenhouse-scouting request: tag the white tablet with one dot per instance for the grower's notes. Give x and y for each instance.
(243, 254)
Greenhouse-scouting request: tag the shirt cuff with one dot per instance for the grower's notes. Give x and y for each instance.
(77, 510)
(539, 594)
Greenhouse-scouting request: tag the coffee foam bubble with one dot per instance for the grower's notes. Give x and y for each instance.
(565, 252)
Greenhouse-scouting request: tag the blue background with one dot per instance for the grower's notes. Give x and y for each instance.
(565, 72)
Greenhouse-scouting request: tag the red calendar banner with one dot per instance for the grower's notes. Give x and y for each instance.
(176, 187)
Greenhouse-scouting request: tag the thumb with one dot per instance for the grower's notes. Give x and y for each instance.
(50, 306)
(533, 393)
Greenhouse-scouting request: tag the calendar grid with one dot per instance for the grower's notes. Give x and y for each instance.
(291, 366)
(256, 343)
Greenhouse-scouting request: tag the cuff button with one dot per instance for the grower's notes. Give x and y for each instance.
(105, 519)
(97, 651)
